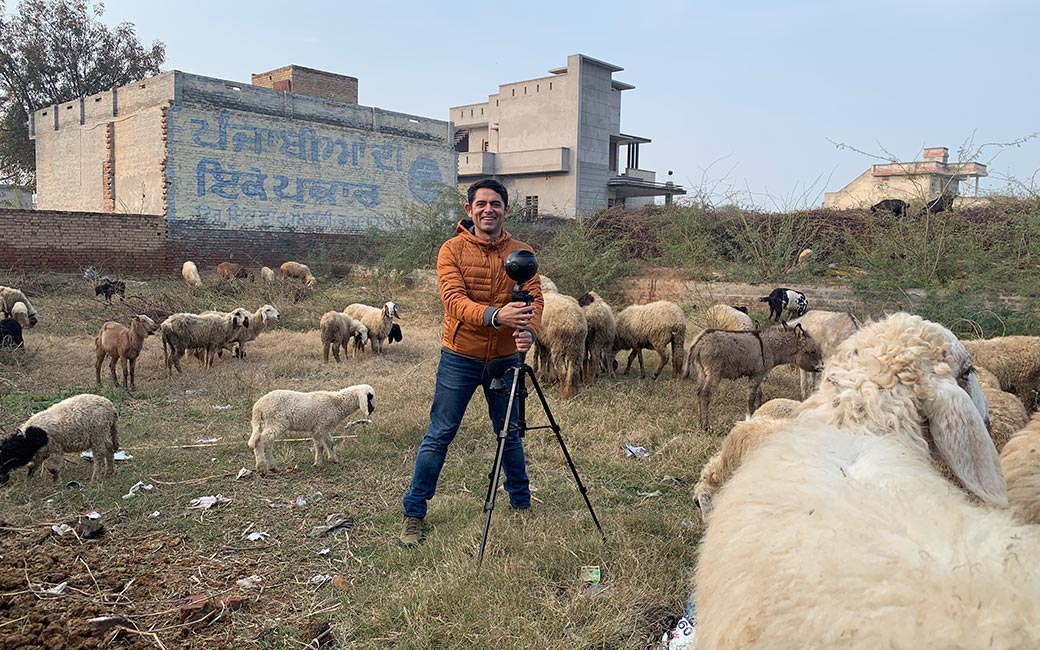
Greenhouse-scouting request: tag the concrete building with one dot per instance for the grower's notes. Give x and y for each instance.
(934, 182)
(555, 142)
(232, 157)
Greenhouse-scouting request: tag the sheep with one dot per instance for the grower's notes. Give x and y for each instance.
(1015, 360)
(561, 341)
(231, 271)
(778, 407)
(185, 331)
(718, 355)
(602, 329)
(78, 423)
(9, 298)
(1007, 415)
(783, 299)
(378, 321)
(658, 326)
(336, 330)
(11, 334)
(725, 317)
(394, 335)
(828, 329)
(109, 287)
(266, 274)
(299, 272)
(547, 284)
(1020, 462)
(318, 413)
(123, 345)
(868, 546)
(252, 328)
(190, 273)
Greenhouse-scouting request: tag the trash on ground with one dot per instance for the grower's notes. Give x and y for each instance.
(119, 455)
(56, 590)
(155, 514)
(207, 502)
(222, 408)
(355, 422)
(251, 582)
(673, 481)
(137, 487)
(105, 623)
(206, 441)
(590, 574)
(320, 579)
(596, 590)
(257, 536)
(73, 485)
(333, 523)
(93, 514)
(637, 452)
(61, 529)
(324, 551)
(89, 528)
(649, 495)
(244, 473)
(684, 635)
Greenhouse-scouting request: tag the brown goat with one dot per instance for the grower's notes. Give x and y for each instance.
(718, 355)
(229, 271)
(123, 345)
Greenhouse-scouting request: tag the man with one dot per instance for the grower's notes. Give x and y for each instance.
(482, 327)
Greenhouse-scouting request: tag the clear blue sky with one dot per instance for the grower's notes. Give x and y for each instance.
(737, 97)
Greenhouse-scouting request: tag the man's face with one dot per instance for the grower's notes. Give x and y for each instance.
(488, 212)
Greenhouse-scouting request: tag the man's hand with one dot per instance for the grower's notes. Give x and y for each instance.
(516, 315)
(523, 339)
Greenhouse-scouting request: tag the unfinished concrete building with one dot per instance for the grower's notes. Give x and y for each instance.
(934, 182)
(556, 142)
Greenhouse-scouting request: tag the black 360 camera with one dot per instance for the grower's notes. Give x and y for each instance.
(521, 266)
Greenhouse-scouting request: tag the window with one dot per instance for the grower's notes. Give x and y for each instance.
(531, 206)
(484, 145)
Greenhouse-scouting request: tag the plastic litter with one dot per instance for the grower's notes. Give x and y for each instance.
(137, 487)
(119, 455)
(244, 473)
(257, 536)
(590, 574)
(251, 582)
(56, 590)
(73, 485)
(324, 551)
(206, 441)
(93, 514)
(222, 408)
(155, 514)
(61, 529)
(637, 452)
(333, 523)
(207, 502)
(104, 623)
(684, 635)
(649, 495)
(320, 579)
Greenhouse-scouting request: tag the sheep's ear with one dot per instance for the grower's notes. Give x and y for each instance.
(963, 441)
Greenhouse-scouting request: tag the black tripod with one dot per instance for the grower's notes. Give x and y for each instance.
(517, 400)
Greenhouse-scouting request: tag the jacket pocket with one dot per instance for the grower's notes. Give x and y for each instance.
(455, 331)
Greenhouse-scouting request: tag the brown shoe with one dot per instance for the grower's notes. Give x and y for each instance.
(412, 535)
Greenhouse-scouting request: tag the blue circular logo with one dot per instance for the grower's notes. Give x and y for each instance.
(425, 180)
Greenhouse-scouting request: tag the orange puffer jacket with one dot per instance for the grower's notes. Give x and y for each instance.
(471, 276)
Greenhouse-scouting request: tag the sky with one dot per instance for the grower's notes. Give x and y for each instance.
(764, 102)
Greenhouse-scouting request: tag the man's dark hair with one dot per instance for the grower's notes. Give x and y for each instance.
(492, 185)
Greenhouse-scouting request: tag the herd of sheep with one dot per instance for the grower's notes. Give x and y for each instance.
(885, 505)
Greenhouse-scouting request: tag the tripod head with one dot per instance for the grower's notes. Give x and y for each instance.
(521, 266)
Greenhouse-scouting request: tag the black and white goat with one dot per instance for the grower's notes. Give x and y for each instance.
(10, 333)
(783, 299)
(18, 449)
(109, 287)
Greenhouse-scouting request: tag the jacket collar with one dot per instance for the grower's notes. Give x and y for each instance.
(465, 229)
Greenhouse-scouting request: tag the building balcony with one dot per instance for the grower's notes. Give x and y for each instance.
(476, 163)
(640, 182)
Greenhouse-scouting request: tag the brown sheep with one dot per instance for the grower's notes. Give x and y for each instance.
(231, 271)
(123, 345)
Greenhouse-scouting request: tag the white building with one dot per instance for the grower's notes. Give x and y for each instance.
(555, 142)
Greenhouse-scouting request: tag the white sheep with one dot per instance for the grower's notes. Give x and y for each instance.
(190, 273)
(337, 330)
(828, 329)
(378, 321)
(251, 328)
(209, 332)
(317, 413)
(868, 546)
(547, 284)
(660, 326)
(9, 298)
(1015, 360)
(20, 312)
(298, 271)
(602, 329)
(74, 424)
(561, 341)
(267, 274)
(1020, 462)
(725, 317)
(1007, 415)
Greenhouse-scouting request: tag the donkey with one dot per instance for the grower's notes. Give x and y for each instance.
(718, 355)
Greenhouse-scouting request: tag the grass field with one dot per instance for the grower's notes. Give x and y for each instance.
(156, 553)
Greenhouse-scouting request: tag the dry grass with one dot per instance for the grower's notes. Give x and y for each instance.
(528, 593)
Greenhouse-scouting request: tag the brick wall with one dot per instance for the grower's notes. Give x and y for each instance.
(207, 247)
(71, 241)
(307, 81)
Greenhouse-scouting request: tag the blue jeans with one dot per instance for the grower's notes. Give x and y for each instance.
(457, 379)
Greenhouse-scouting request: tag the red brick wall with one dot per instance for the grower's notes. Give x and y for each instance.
(72, 241)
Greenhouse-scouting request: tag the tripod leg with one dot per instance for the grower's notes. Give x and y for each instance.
(496, 469)
(563, 447)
